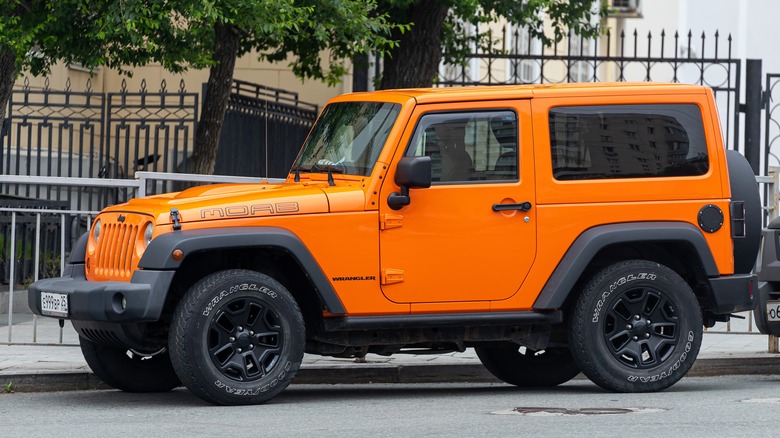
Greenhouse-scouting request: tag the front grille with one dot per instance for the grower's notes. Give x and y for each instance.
(115, 250)
(116, 254)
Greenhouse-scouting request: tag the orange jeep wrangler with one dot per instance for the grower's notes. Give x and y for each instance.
(590, 228)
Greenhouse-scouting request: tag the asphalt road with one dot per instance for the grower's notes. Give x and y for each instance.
(696, 406)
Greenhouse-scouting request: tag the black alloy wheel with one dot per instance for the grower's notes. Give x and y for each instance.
(237, 338)
(244, 339)
(641, 328)
(636, 327)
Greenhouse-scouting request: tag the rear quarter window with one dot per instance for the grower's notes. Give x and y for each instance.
(627, 141)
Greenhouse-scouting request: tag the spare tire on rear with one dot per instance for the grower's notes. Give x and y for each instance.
(744, 189)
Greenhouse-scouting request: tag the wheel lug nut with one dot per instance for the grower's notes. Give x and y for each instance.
(239, 350)
(241, 329)
(634, 338)
(232, 339)
(251, 346)
(251, 333)
(637, 317)
(649, 322)
(629, 327)
(647, 335)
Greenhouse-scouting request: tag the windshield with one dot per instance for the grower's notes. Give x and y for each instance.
(348, 137)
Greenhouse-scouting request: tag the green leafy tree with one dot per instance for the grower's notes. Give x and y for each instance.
(437, 25)
(316, 35)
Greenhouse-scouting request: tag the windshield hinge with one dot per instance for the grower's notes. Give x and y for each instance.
(390, 221)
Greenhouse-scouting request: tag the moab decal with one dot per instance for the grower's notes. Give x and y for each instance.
(249, 210)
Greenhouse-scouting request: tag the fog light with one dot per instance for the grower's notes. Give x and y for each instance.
(119, 303)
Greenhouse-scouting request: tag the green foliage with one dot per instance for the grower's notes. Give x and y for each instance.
(9, 387)
(564, 16)
(126, 33)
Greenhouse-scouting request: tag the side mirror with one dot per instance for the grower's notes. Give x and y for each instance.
(411, 173)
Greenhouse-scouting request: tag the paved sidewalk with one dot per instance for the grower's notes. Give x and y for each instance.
(55, 367)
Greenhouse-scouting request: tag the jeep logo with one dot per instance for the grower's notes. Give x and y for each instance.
(249, 210)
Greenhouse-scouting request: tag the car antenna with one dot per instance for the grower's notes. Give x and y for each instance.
(297, 170)
(330, 177)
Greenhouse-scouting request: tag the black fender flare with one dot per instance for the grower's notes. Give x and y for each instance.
(593, 240)
(158, 255)
(78, 253)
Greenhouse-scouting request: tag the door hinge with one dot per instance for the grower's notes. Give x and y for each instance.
(390, 275)
(390, 221)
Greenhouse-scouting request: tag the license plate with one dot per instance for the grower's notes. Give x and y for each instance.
(773, 310)
(54, 304)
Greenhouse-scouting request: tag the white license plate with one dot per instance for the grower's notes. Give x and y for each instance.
(54, 304)
(773, 310)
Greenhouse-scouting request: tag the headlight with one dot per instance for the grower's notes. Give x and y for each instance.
(96, 231)
(148, 233)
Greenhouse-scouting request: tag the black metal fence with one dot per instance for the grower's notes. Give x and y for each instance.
(90, 134)
(264, 127)
(772, 119)
(512, 57)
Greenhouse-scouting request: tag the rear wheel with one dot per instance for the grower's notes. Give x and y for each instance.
(129, 370)
(237, 338)
(523, 366)
(636, 327)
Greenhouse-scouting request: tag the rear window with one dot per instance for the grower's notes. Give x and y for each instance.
(627, 141)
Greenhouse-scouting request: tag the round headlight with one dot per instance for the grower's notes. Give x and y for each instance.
(148, 233)
(96, 231)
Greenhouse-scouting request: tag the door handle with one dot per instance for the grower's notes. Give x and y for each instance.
(523, 206)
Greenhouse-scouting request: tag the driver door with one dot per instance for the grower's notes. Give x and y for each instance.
(471, 236)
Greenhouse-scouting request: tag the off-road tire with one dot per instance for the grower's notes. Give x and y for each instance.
(130, 371)
(524, 367)
(635, 327)
(237, 338)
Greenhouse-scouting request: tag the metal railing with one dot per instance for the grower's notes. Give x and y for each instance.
(35, 330)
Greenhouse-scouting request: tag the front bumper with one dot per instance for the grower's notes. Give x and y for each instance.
(140, 300)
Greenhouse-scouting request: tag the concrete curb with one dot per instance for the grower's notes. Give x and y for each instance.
(45, 381)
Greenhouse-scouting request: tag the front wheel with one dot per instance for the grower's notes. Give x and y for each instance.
(129, 370)
(636, 327)
(237, 338)
(524, 367)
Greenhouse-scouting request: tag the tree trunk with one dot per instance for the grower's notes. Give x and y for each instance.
(216, 99)
(415, 62)
(7, 77)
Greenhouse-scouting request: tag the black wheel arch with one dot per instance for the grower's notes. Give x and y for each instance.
(678, 245)
(272, 250)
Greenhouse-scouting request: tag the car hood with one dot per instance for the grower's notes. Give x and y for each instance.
(231, 201)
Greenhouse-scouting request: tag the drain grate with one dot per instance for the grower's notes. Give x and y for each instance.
(552, 411)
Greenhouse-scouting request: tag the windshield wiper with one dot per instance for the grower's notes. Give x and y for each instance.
(331, 168)
(297, 170)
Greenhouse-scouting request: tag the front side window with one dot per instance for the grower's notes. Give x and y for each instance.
(468, 146)
(627, 141)
(348, 138)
